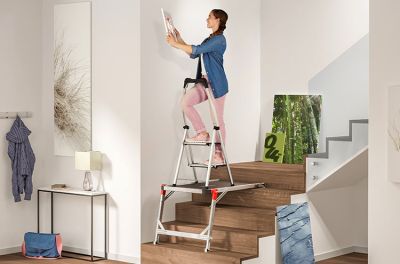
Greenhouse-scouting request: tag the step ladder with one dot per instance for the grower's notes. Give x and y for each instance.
(217, 188)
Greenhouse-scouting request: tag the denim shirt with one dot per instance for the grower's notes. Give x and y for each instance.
(213, 50)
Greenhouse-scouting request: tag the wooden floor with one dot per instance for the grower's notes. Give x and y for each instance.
(353, 258)
(18, 258)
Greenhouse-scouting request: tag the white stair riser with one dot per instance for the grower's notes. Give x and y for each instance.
(339, 152)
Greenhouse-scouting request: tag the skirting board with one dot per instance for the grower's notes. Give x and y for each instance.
(111, 256)
(123, 258)
(12, 250)
(269, 252)
(340, 252)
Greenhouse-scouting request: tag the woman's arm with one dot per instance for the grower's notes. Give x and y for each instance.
(182, 46)
(214, 44)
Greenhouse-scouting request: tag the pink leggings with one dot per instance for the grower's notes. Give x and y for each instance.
(197, 95)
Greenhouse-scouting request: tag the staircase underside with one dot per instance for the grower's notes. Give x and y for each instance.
(351, 172)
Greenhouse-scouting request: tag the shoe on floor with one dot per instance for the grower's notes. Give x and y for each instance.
(201, 137)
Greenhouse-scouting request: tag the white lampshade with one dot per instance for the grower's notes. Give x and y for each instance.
(88, 161)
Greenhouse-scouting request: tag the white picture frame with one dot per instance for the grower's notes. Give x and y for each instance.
(168, 23)
(393, 133)
(72, 78)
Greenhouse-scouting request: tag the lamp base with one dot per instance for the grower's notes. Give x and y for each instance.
(87, 182)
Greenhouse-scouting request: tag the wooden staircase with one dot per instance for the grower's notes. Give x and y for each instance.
(241, 217)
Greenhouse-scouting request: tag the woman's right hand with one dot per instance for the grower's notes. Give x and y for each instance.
(178, 36)
(171, 40)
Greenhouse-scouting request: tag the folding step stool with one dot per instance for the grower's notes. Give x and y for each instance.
(215, 187)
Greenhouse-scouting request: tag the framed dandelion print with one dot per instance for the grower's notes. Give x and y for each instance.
(72, 78)
(393, 133)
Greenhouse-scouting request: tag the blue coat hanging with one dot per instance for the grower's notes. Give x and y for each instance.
(22, 160)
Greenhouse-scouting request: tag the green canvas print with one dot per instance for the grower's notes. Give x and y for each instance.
(274, 146)
(298, 117)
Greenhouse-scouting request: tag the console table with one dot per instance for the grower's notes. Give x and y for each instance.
(77, 192)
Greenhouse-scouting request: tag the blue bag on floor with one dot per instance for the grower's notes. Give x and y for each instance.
(37, 245)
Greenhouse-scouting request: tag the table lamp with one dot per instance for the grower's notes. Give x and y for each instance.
(88, 161)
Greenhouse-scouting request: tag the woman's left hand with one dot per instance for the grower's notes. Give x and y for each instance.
(171, 40)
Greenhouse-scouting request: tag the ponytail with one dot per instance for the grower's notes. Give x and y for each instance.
(223, 18)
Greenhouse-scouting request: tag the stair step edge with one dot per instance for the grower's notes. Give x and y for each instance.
(222, 206)
(220, 228)
(200, 250)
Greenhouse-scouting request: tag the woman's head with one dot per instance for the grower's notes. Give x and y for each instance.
(217, 21)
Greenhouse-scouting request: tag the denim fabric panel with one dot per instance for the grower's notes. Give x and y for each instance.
(295, 234)
(41, 245)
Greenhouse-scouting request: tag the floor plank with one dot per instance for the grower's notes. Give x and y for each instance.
(18, 258)
(353, 258)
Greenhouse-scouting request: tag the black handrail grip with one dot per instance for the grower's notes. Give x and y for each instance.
(202, 81)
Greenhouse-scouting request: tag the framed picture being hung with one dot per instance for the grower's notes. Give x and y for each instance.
(72, 78)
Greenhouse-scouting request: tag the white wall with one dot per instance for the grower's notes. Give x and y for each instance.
(383, 195)
(116, 130)
(298, 40)
(163, 71)
(360, 201)
(338, 219)
(20, 90)
(343, 85)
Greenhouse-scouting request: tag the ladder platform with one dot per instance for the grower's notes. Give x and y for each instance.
(219, 186)
(182, 234)
(203, 165)
(200, 143)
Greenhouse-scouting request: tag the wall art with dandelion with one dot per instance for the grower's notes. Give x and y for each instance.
(72, 78)
(393, 130)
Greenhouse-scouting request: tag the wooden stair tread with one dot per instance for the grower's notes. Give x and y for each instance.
(226, 215)
(268, 198)
(169, 253)
(230, 207)
(220, 228)
(224, 238)
(259, 165)
(277, 176)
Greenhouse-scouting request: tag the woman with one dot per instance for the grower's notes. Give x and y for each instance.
(210, 66)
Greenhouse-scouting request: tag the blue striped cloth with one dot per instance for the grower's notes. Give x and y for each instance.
(295, 237)
(22, 160)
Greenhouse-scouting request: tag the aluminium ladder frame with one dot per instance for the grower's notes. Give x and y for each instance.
(216, 131)
(220, 188)
(216, 195)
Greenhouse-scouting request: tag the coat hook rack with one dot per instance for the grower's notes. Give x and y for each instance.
(9, 115)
